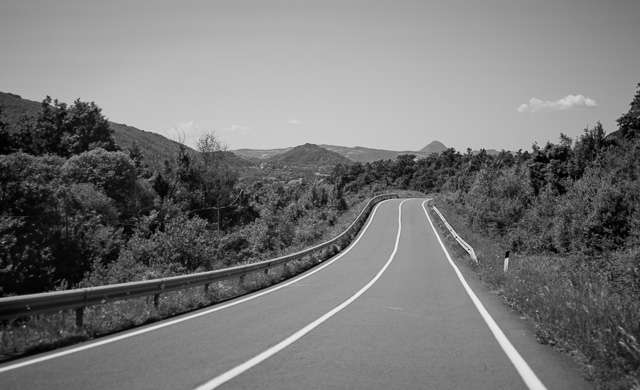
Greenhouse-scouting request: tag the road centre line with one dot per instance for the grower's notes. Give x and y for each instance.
(527, 374)
(192, 316)
(234, 372)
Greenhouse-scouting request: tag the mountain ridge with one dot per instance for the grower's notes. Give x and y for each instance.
(153, 145)
(356, 153)
(156, 147)
(309, 154)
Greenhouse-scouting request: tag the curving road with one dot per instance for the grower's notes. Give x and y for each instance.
(390, 312)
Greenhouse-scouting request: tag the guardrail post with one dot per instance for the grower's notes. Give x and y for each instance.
(206, 288)
(506, 261)
(241, 279)
(156, 300)
(79, 316)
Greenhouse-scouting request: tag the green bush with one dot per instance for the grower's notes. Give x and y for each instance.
(113, 172)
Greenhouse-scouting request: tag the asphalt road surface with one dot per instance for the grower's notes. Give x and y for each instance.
(391, 312)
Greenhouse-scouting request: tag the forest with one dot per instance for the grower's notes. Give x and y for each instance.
(76, 210)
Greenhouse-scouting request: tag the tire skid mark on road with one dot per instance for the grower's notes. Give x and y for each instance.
(526, 373)
(191, 316)
(234, 372)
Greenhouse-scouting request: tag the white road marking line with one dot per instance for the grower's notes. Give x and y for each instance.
(192, 316)
(527, 374)
(227, 376)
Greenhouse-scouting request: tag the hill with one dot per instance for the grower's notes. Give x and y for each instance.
(153, 146)
(358, 153)
(259, 153)
(433, 147)
(363, 154)
(309, 154)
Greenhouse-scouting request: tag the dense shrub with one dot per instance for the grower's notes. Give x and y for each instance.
(113, 172)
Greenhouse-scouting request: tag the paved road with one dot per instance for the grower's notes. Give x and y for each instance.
(391, 312)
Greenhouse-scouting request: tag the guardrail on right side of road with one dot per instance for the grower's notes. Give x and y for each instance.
(455, 235)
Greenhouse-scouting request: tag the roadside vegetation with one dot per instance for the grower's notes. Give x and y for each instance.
(77, 211)
(576, 305)
(570, 215)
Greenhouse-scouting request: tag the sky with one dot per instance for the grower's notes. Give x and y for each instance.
(395, 75)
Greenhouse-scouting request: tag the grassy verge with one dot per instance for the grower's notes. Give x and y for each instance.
(574, 305)
(46, 332)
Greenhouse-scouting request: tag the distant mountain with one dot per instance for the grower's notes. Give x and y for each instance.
(363, 154)
(309, 154)
(153, 146)
(358, 153)
(14, 106)
(260, 153)
(433, 147)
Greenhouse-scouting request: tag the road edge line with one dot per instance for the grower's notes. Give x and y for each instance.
(526, 373)
(192, 316)
(234, 372)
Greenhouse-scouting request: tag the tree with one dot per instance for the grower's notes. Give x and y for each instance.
(587, 149)
(29, 222)
(63, 130)
(135, 154)
(49, 129)
(7, 144)
(113, 172)
(549, 167)
(216, 178)
(86, 129)
(23, 135)
(629, 123)
(404, 170)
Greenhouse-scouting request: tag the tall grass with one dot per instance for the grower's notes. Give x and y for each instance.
(589, 309)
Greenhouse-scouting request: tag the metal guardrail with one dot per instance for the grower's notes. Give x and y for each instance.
(455, 235)
(78, 299)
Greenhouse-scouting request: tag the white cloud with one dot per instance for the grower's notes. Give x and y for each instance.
(293, 122)
(569, 102)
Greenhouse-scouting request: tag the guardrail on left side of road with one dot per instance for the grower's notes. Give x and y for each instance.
(78, 299)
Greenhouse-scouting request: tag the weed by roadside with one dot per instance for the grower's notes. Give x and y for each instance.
(585, 309)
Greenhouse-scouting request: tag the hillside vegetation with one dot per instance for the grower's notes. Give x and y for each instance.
(362, 154)
(77, 209)
(309, 154)
(155, 148)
